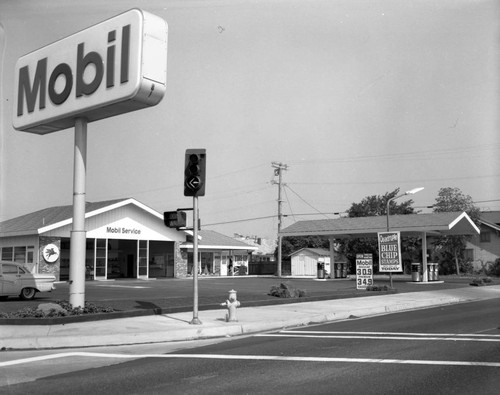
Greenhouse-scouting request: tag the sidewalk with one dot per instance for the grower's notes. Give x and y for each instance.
(177, 327)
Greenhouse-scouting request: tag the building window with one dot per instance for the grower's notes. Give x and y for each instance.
(30, 253)
(7, 253)
(469, 254)
(485, 237)
(20, 254)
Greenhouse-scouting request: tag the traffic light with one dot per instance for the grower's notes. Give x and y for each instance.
(194, 173)
(174, 219)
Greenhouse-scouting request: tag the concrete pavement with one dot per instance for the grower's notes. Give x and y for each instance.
(177, 327)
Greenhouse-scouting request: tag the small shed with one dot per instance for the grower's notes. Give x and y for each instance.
(305, 261)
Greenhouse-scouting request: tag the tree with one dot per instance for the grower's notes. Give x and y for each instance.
(372, 206)
(449, 200)
(452, 199)
(377, 205)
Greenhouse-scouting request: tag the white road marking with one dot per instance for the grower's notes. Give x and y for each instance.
(384, 336)
(122, 286)
(397, 333)
(250, 357)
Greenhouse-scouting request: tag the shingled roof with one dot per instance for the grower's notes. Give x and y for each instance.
(211, 239)
(42, 220)
(437, 223)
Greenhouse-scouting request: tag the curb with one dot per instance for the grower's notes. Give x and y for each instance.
(175, 327)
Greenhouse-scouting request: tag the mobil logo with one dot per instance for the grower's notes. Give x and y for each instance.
(114, 67)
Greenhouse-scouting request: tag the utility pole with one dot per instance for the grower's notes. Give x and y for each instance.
(278, 170)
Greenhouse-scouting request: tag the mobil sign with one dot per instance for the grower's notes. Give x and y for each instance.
(114, 67)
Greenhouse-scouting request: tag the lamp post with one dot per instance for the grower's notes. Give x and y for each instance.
(410, 192)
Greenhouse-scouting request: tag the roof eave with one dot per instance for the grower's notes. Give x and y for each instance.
(30, 232)
(101, 210)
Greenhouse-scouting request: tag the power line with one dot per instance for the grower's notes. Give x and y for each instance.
(303, 214)
(289, 205)
(314, 208)
(402, 155)
(477, 201)
(325, 183)
(240, 220)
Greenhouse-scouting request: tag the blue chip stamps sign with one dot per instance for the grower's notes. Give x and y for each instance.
(364, 270)
(389, 248)
(114, 67)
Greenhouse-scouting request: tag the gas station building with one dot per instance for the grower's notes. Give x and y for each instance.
(423, 226)
(124, 239)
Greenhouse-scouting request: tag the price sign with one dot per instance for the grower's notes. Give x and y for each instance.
(364, 270)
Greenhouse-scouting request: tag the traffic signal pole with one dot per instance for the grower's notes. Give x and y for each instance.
(195, 320)
(194, 185)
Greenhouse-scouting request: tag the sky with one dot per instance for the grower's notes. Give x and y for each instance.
(356, 98)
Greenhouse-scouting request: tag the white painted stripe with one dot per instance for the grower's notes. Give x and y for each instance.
(250, 357)
(122, 286)
(395, 333)
(298, 334)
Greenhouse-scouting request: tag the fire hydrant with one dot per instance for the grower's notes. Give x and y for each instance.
(231, 305)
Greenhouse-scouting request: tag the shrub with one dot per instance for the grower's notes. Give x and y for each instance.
(494, 269)
(377, 288)
(242, 270)
(31, 312)
(286, 291)
(477, 282)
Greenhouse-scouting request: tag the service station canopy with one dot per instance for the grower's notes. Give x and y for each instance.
(434, 224)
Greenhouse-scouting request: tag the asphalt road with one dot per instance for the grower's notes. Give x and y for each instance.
(175, 295)
(446, 350)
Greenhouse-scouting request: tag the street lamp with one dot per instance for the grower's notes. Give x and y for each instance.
(410, 192)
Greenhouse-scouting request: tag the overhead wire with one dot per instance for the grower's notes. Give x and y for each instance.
(300, 197)
(289, 204)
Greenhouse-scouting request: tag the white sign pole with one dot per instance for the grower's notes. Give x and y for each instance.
(78, 236)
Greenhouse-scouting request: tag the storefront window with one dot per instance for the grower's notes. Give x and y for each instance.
(190, 263)
(161, 259)
(101, 250)
(206, 262)
(143, 257)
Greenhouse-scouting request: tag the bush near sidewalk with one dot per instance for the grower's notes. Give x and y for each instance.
(477, 282)
(65, 311)
(286, 291)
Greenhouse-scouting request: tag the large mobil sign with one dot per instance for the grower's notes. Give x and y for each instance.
(114, 67)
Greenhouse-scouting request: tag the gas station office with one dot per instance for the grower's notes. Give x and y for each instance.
(124, 239)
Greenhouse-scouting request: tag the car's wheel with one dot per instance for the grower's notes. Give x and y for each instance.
(28, 293)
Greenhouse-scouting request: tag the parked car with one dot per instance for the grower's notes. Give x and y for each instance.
(17, 280)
